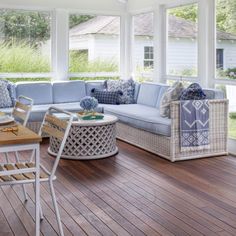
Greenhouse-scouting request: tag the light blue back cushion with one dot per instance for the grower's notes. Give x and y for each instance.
(163, 89)
(40, 92)
(148, 94)
(214, 94)
(68, 91)
(99, 85)
(136, 91)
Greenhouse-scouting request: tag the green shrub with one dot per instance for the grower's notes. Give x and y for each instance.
(23, 58)
(79, 63)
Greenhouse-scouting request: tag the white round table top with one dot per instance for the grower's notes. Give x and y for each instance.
(108, 119)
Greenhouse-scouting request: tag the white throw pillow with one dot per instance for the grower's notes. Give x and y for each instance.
(172, 94)
(5, 99)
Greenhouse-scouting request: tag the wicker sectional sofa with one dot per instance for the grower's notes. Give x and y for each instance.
(139, 124)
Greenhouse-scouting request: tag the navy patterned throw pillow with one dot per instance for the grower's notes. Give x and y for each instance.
(106, 97)
(193, 92)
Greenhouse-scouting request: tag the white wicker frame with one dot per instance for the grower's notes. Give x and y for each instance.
(169, 147)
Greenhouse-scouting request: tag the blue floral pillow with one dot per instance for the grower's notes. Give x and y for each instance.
(126, 86)
(193, 92)
(11, 90)
(5, 99)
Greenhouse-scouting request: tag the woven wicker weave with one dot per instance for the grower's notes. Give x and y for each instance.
(169, 147)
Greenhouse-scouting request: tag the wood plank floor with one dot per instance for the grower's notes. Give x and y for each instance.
(133, 193)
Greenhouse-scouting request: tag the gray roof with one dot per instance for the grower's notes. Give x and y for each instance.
(178, 27)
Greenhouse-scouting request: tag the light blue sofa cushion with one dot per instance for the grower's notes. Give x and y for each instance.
(99, 85)
(214, 93)
(136, 91)
(68, 91)
(142, 117)
(40, 92)
(163, 89)
(148, 94)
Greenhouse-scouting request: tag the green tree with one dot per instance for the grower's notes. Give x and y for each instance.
(76, 19)
(30, 26)
(188, 12)
(27, 26)
(225, 17)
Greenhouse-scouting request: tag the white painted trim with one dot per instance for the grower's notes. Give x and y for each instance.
(184, 78)
(123, 41)
(27, 75)
(94, 74)
(62, 44)
(96, 13)
(225, 81)
(26, 8)
(202, 44)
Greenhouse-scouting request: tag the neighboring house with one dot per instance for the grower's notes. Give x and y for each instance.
(99, 38)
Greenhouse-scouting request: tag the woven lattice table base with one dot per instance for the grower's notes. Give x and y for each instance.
(88, 142)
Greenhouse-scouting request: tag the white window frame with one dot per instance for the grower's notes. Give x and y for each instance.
(218, 81)
(122, 48)
(21, 75)
(165, 15)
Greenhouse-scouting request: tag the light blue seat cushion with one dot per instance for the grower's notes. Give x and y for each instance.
(140, 116)
(40, 92)
(38, 111)
(68, 91)
(99, 85)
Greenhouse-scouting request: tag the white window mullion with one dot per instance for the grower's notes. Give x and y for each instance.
(61, 48)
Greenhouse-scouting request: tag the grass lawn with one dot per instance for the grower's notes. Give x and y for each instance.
(232, 128)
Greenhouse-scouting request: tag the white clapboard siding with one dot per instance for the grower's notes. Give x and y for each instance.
(182, 53)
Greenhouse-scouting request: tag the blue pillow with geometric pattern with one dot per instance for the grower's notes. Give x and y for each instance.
(193, 92)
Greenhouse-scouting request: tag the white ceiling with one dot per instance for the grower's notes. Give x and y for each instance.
(90, 5)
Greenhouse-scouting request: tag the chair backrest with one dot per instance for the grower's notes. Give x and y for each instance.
(57, 128)
(22, 109)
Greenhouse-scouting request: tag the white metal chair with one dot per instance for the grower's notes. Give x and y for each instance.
(21, 113)
(56, 128)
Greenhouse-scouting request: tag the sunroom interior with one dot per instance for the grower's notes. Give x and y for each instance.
(152, 42)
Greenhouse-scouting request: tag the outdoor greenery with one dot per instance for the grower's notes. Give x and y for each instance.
(22, 57)
(79, 63)
(232, 127)
(225, 18)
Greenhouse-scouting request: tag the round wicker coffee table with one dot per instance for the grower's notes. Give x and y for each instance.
(88, 140)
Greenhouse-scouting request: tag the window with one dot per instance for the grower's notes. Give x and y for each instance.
(182, 45)
(148, 58)
(225, 39)
(94, 44)
(220, 59)
(25, 41)
(143, 63)
(230, 91)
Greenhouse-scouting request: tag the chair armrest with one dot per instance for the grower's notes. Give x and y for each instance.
(218, 122)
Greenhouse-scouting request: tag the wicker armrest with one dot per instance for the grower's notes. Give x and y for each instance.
(218, 125)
